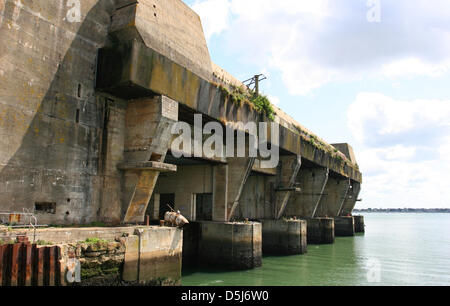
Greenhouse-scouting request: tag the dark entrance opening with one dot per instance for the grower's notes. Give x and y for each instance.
(164, 200)
(204, 207)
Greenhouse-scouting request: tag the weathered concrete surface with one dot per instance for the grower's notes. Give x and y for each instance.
(258, 198)
(220, 193)
(333, 197)
(189, 180)
(347, 150)
(320, 230)
(231, 245)
(152, 254)
(344, 226)
(359, 224)
(169, 27)
(351, 199)
(290, 167)
(67, 235)
(47, 76)
(191, 242)
(148, 137)
(284, 237)
(312, 181)
(239, 170)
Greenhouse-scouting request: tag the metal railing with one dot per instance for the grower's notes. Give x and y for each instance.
(23, 219)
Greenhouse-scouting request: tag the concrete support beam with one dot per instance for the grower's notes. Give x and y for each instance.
(312, 182)
(344, 226)
(333, 197)
(320, 230)
(351, 198)
(284, 237)
(148, 124)
(236, 246)
(290, 167)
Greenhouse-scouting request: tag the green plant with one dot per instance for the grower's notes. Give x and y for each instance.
(95, 241)
(263, 105)
(43, 242)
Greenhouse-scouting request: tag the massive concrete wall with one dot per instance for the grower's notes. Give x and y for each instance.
(50, 116)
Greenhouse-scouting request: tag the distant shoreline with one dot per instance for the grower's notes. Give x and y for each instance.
(403, 210)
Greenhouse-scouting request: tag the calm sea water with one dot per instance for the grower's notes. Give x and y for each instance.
(397, 249)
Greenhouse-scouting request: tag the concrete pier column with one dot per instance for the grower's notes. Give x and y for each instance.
(236, 246)
(359, 224)
(148, 124)
(344, 226)
(320, 230)
(239, 170)
(284, 237)
(220, 193)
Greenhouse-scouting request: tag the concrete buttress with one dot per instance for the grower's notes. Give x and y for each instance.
(312, 183)
(290, 167)
(148, 137)
(351, 198)
(333, 197)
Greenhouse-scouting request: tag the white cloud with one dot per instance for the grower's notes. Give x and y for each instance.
(214, 15)
(403, 150)
(274, 100)
(314, 43)
(411, 67)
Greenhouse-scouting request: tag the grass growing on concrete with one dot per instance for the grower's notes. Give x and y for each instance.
(3, 242)
(43, 242)
(263, 105)
(95, 241)
(89, 270)
(238, 96)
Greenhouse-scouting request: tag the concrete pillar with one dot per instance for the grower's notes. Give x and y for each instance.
(344, 226)
(235, 246)
(351, 198)
(312, 182)
(290, 167)
(333, 197)
(239, 170)
(359, 224)
(220, 193)
(320, 230)
(148, 124)
(284, 237)
(153, 254)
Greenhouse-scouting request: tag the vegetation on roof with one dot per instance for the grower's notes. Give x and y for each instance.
(239, 95)
(262, 105)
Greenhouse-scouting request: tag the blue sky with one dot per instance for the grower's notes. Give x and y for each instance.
(375, 74)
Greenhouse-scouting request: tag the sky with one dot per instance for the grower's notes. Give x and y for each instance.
(372, 73)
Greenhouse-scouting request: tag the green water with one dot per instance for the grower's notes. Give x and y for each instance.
(397, 249)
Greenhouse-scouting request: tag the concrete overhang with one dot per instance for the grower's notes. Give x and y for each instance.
(131, 70)
(161, 167)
